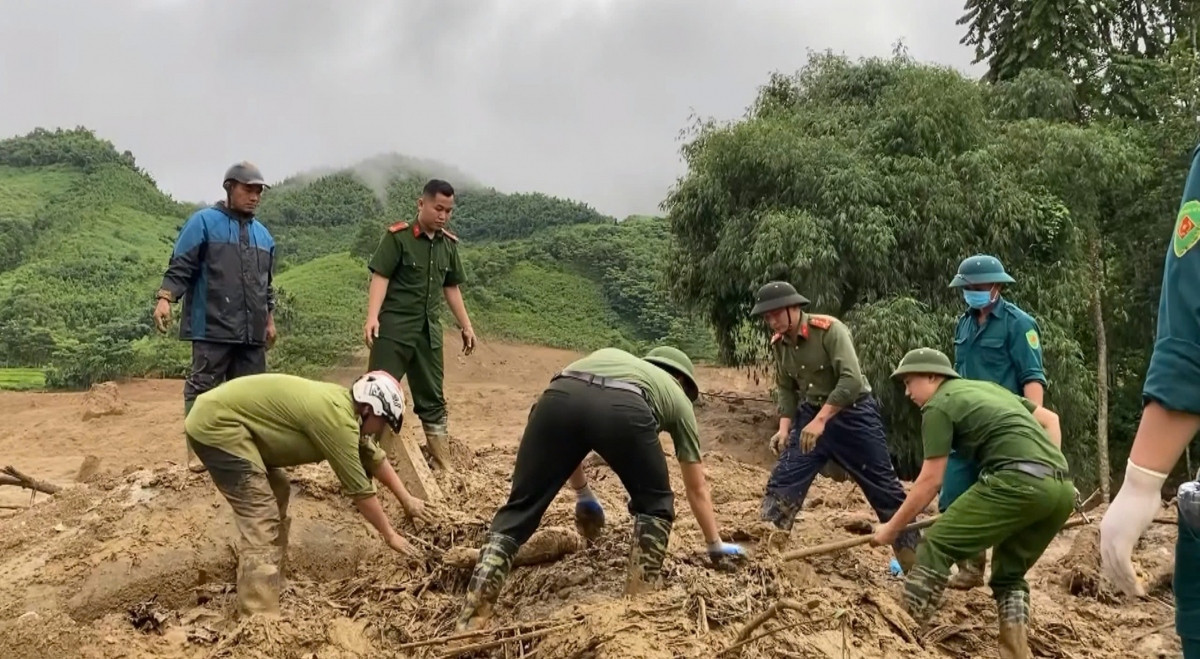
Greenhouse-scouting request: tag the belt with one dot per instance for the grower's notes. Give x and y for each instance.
(1035, 469)
(600, 381)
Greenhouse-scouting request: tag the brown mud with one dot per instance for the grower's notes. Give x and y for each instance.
(133, 558)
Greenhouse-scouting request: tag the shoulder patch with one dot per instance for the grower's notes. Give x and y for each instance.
(1187, 228)
(1031, 337)
(820, 321)
(399, 226)
(449, 235)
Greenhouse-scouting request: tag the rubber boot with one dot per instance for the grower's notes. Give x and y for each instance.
(258, 582)
(1013, 612)
(285, 527)
(970, 573)
(495, 562)
(438, 439)
(834, 471)
(646, 555)
(193, 462)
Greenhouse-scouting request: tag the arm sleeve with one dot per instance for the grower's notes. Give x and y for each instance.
(455, 274)
(684, 433)
(339, 443)
(386, 257)
(370, 455)
(1028, 404)
(186, 256)
(937, 433)
(785, 388)
(1025, 349)
(851, 381)
(271, 282)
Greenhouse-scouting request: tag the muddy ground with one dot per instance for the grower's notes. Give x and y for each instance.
(133, 558)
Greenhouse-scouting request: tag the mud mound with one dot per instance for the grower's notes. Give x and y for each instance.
(103, 399)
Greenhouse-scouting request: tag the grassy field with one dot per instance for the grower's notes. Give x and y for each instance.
(22, 379)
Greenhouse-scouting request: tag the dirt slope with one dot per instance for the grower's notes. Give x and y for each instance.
(135, 559)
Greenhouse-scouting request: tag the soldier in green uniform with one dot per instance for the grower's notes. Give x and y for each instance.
(615, 404)
(827, 412)
(995, 340)
(1170, 420)
(414, 267)
(1020, 502)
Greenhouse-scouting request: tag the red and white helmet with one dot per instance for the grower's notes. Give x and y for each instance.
(382, 392)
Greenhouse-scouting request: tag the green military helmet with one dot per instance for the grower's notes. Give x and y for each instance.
(980, 269)
(678, 363)
(776, 295)
(927, 361)
(246, 173)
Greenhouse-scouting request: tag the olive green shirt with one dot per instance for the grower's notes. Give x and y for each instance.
(418, 265)
(820, 367)
(985, 423)
(666, 397)
(281, 420)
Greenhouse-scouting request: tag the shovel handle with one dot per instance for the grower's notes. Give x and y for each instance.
(839, 545)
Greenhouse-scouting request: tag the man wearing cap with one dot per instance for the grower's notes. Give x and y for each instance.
(1170, 421)
(1020, 502)
(826, 411)
(414, 267)
(615, 404)
(995, 340)
(222, 267)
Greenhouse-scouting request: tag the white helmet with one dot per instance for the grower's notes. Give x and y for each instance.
(383, 393)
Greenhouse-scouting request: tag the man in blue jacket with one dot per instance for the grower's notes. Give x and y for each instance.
(222, 267)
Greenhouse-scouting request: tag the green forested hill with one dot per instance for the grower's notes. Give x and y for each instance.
(85, 236)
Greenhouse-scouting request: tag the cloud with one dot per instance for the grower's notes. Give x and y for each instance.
(583, 99)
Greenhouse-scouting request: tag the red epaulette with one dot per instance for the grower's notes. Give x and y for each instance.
(822, 322)
(450, 235)
(399, 226)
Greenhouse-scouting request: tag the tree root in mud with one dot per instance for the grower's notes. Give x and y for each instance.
(546, 545)
(11, 476)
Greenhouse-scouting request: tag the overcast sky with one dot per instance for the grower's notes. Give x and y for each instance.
(577, 98)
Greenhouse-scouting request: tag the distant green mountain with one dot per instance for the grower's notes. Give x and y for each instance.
(85, 236)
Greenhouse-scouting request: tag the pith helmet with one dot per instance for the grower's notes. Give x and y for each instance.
(678, 363)
(981, 269)
(925, 360)
(246, 173)
(776, 295)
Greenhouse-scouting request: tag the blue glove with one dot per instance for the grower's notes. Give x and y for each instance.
(894, 568)
(589, 518)
(724, 554)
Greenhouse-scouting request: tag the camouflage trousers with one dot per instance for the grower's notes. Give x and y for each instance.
(260, 509)
(1012, 512)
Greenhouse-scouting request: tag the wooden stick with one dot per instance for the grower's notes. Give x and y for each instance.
(839, 545)
(13, 477)
(472, 634)
(501, 641)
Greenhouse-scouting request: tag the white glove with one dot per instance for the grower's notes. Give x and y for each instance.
(1127, 518)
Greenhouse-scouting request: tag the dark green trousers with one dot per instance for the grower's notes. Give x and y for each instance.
(422, 363)
(1014, 513)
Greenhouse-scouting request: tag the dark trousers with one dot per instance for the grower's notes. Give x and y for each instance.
(422, 363)
(570, 419)
(214, 363)
(855, 439)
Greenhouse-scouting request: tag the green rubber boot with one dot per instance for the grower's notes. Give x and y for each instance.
(495, 562)
(650, 537)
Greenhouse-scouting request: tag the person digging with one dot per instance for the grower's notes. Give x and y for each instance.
(1016, 507)
(247, 429)
(615, 404)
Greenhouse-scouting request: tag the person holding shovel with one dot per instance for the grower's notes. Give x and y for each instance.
(1170, 421)
(615, 404)
(826, 412)
(247, 429)
(1016, 507)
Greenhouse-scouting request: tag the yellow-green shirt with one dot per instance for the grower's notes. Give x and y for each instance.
(281, 420)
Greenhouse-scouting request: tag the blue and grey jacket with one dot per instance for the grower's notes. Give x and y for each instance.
(222, 266)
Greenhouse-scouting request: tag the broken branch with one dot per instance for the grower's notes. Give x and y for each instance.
(548, 544)
(501, 641)
(13, 477)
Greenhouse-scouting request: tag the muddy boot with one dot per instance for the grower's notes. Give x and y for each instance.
(650, 537)
(438, 439)
(834, 471)
(193, 462)
(258, 582)
(285, 527)
(495, 562)
(970, 573)
(1013, 612)
(779, 512)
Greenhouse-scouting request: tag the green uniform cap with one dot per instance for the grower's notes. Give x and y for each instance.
(776, 295)
(980, 269)
(677, 362)
(925, 360)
